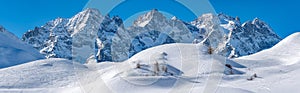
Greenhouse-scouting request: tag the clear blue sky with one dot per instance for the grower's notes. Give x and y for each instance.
(18, 16)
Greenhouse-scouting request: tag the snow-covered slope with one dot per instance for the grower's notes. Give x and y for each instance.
(277, 68)
(286, 52)
(270, 71)
(13, 51)
(170, 68)
(175, 71)
(43, 76)
(188, 69)
(48, 73)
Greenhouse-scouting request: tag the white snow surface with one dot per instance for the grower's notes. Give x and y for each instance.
(113, 77)
(276, 68)
(13, 51)
(286, 52)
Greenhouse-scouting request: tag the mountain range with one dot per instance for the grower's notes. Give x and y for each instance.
(90, 35)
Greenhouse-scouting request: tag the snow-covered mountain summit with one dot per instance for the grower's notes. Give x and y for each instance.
(86, 21)
(156, 21)
(87, 24)
(154, 17)
(57, 38)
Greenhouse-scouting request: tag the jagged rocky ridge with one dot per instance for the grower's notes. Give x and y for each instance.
(247, 38)
(104, 38)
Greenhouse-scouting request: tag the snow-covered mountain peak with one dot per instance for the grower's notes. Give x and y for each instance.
(174, 18)
(207, 15)
(149, 30)
(89, 16)
(55, 38)
(212, 33)
(225, 19)
(57, 20)
(219, 18)
(152, 17)
(259, 26)
(89, 12)
(56, 23)
(84, 28)
(259, 23)
(256, 20)
(153, 14)
(206, 20)
(85, 18)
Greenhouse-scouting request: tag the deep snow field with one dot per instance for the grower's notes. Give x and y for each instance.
(190, 69)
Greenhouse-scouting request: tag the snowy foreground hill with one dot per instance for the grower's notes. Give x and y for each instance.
(13, 51)
(171, 68)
